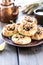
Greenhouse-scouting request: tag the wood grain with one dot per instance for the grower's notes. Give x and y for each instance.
(31, 56)
(8, 56)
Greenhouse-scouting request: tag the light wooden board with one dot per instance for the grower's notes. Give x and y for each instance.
(31, 56)
(9, 55)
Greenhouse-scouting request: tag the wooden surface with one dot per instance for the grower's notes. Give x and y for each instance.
(31, 56)
(9, 55)
(26, 56)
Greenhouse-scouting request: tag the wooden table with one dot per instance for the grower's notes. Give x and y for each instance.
(20, 56)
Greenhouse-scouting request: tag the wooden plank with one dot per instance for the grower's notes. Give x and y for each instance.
(31, 56)
(39, 54)
(8, 56)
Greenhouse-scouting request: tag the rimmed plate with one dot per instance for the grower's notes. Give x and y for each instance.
(32, 44)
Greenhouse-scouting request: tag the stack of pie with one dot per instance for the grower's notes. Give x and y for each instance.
(25, 31)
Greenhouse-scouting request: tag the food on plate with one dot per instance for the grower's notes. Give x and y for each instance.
(27, 29)
(9, 30)
(20, 39)
(39, 34)
(23, 32)
(29, 19)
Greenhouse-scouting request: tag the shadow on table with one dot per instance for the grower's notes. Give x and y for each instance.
(31, 50)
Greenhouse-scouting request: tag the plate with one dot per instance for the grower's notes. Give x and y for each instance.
(32, 44)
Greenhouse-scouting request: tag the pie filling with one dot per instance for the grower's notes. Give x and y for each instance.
(38, 32)
(20, 36)
(28, 20)
(27, 28)
(11, 28)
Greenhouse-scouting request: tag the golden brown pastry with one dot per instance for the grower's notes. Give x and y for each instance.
(9, 30)
(27, 29)
(29, 19)
(20, 39)
(39, 34)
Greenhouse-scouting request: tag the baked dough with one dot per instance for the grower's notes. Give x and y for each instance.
(39, 34)
(9, 30)
(20, 39)
(29, 19)
(27, 29)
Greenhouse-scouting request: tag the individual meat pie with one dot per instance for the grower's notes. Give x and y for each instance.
(29, 19)
(27, 29)
(39, 34)
(20, 39)
(9, 30)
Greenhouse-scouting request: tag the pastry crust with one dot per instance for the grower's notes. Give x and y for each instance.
(27, 29)
(39, 34)
(20, 39)
(29, 19)
(9, 30)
